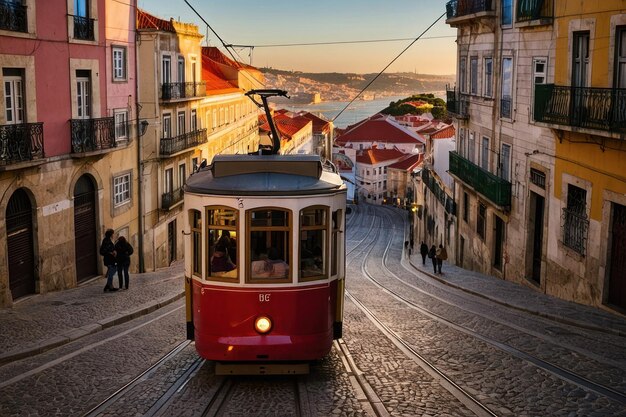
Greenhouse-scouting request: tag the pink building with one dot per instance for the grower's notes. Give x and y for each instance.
(60, 147)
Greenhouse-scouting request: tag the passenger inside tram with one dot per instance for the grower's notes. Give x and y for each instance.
(220, 261)
(279, 268)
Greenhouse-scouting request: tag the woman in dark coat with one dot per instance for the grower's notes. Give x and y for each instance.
(124, 250)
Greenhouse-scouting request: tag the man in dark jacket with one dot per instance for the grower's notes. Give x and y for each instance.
(423, 252)
(107, 250)
(123, 250)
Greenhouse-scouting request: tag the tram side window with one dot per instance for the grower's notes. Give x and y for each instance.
(313, 247)
(337, 220)
(270, 248)
(196, 242)
(222, 244)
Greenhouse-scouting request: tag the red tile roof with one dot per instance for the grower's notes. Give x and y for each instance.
(216, 55)
(320, 126)
(375, 156)
(445, 133)
(379, 130)
(147, 21)
(287, 126)
(409, 163)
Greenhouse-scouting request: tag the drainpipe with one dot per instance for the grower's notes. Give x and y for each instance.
(140, 202)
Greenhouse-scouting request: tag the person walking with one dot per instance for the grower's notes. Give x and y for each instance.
(441, 255)
(107, 250)
(123, 250)
(432, 254)
(423, 252)
(406, 247)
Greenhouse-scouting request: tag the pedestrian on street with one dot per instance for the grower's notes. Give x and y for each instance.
(432, 254)
(406, 247)
(441, 255)
(423, 252)
(124, 250)
(107, 250)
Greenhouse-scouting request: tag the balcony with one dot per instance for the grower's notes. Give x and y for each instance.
(90, 135)
(535, 12)
(21, 142)
(175, 91)
(457, 104)
(492, 187)
(458, 11)
(171, 146)
(581, 107)
(13, 17)
(83, 28)
(171, 198)
(433, 185)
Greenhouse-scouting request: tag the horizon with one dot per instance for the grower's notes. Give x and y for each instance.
(325, 36)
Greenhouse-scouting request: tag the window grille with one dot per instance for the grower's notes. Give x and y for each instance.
(575, 220)
(538, 178)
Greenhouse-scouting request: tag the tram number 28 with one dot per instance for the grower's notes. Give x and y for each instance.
(264, 298)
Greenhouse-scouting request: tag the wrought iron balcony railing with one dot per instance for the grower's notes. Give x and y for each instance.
(171, 91)
(528, 10)
(21, 142)
(457, 104)
(496, 189)
(90, 135)
(458, 8)
(170, 198)
(83, 28)
(446, 201)
(13, 17)
(584, 107)
(170, 146)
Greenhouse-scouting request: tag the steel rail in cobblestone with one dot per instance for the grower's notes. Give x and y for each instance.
(555, 370)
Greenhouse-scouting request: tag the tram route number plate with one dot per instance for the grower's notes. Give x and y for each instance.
(264, 298)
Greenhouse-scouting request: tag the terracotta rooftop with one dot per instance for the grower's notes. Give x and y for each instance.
(379, 130)
(216, 55)
(375, 156)
(409, 163)
(445, 133)
(320, 126)
(147, 21)
(287, 126)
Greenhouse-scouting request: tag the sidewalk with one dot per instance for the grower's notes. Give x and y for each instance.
(523, 298)
(43, 322)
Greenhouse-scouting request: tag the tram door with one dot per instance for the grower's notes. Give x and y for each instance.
(85, 241)
(19, 224)
(617, 267)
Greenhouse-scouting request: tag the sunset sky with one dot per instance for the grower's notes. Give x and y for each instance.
(259, 23)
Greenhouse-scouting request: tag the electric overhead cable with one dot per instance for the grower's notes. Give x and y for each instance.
(277, 45)
(388, 65)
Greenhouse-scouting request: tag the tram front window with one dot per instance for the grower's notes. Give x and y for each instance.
(222, 244)
(270, 257)
(313, 226)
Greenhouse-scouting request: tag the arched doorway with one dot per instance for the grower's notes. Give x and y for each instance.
(85, 240)
(19, 223)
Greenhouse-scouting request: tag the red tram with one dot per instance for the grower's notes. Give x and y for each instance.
(264, 258)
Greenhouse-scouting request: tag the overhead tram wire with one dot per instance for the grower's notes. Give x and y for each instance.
(223, 43)
(280, 45)
(388, 65)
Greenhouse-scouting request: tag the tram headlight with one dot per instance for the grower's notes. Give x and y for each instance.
(263, 325)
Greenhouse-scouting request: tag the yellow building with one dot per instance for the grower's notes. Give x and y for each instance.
(585, 107)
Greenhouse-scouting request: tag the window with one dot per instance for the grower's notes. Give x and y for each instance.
(507, 88)
(13, 95)
(222, 243)
(334, 250)
(620, 57)
(167, 125)
(575, 221)
(80, 8)
(462, 144)
(484, 154)
(182, 175)
(463, 74)
(194, 121)
(480, 220)
(471, 148)
(121, 123)
(181, 69)
(474, 75)
(540, 70)
(488, 87)
(465, 207)
(168, 183)
(196, 241)
(580, 57)
(83, 93)
(166, 73)
(507, 12)
(180, 126)
(270, 246)
(121, 190)
(313, 247)
(119, 63)
(505, 162)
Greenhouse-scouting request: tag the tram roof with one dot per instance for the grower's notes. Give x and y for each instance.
(264, 175)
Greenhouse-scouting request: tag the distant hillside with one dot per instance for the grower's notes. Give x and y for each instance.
(344, 86)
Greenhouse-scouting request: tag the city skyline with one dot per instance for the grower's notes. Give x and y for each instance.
(253, 23)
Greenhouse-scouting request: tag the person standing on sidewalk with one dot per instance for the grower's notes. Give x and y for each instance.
(423, 252)
(107, 250)
(124, 250)
(441, 255)
(432, 254)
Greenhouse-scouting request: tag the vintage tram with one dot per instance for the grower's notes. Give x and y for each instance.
(264, 258)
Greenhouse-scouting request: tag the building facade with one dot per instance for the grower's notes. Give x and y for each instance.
(66, 143)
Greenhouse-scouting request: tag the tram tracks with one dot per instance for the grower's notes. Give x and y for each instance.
(365, 255)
